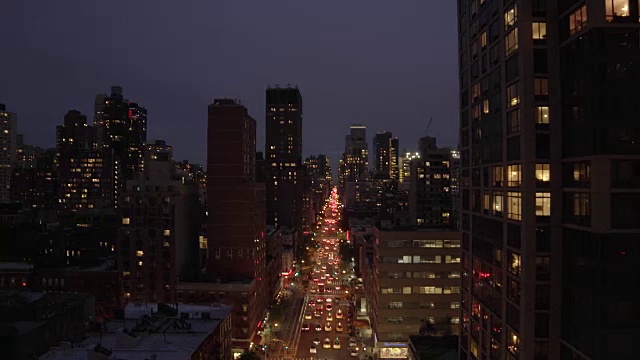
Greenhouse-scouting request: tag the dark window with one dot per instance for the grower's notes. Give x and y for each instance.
(543, 239)
(542, 325)
(511, 67)
(543, 146)
(542, 297)
(625, 210)
(540, 61)
(513, 316)
(513, 148)
(513, 235)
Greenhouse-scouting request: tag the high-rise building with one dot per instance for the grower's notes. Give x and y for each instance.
(355, 159)
(86, 173)
(431, 199)
(382, 155)
(236, 207)
(158, 235)
(405, 166)
(550, 152)
(8, 151)
(318, 170)
(283, 151)
(158, 232)
(34, 177)
(394, 154)
(122, 126)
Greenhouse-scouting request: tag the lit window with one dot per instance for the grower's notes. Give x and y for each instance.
(539, 30)
(483, 39)
(578, 20)
(543, 173)
(514, 205)
(514, 175)
(542, 114)
(515, 262)
(511, 42)
(616, 8)
(485, 106)
(126, 221)
(139, 253)
(203, 242)
(543, 204)
(497, 202)
(513, 97)
(513, 343)
(511, 16)
(581, 172)
(498, 176)
(430, 290)
(139, 263)
(166, 232)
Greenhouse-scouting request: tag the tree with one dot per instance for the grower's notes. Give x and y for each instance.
(249, 355)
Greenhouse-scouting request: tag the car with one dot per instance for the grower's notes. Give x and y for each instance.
(316, 341)
(353, 352)
(307, 316)
(319, 299)
(312, 302)
(327, 327)
(329, 317)
(318, 327)
(338, 287)
(353, 342)
(339, 314)
(317, 313)
(327, 343)
(339, 327)
(329, 300)
(313, 349)
(336, 343)
(305, 327)
(329, 307)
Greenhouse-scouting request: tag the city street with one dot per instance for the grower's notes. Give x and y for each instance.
(324, 329)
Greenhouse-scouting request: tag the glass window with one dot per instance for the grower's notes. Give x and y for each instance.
(581, 206)
(511, 42)
(616, 8)
(430, 290)
(513, 98)
(543, 204)
(515, 263)
(497, 202)
(483, 39)
(541, 86)
(578, 20)
(542, 114)
(513, 121)
(514, 205)
(126, 221)
(539, 30)
(485, 106)
(395, 305)
(511, 16)
(581, 172)
(166, 232)
(498, 177)
(543, 173)
(514, 175)
(452, 243)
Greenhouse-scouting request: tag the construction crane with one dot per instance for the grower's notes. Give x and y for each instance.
(426, 132)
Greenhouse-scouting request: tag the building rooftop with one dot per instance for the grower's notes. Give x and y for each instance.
(148, 334)
(434, 347)
(15, 266)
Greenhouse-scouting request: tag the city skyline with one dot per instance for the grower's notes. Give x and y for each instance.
(72, 68)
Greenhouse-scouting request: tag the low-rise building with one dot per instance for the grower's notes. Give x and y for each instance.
(422, 347)
(156, 331)
(32, 322)
(413, 286)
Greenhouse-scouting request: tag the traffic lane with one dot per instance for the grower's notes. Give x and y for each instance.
(306, 341)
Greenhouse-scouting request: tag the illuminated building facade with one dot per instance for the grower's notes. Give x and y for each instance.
(405, 173)
(158, 232)
(8, 151)
(86, 172)
(385, 152)
(121, 125)
(355, 159)
(283, 157)
(550, 152)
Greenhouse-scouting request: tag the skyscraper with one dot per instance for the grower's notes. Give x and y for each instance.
(355, 159)
(236, 206)
(394, 154)
(158, 232)
(8, 151)
(122, 126)
(283, 149)
(86, 173)
(550, 152)
(382, 155)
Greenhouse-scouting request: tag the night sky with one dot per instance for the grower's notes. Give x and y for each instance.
(387, 64)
